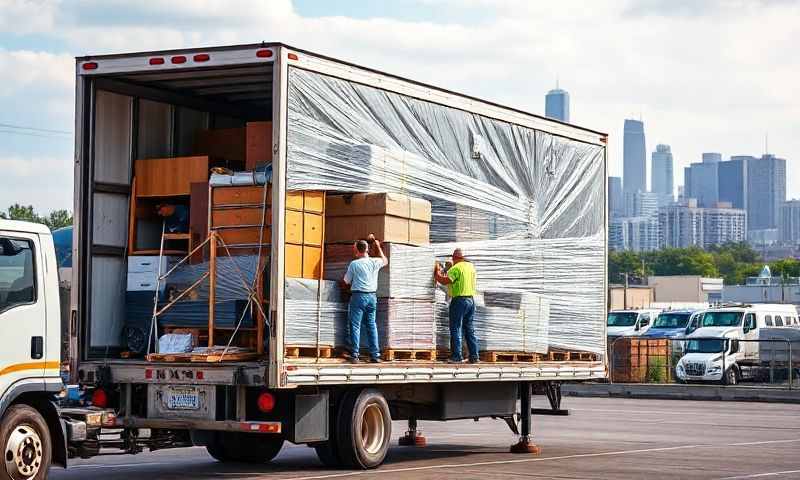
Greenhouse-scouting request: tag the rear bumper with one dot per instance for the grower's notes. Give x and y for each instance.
(181, 424)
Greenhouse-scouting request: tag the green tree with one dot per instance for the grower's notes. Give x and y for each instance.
(682, 261)
(56, 219)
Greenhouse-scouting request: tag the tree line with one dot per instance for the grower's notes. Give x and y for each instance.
(734, 262)
(54, 220)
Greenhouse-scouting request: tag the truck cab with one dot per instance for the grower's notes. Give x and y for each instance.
(30, 360)
(723, 340)
(626, 323)
(670, 324)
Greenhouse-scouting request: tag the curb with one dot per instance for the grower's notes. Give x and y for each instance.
(683, 392)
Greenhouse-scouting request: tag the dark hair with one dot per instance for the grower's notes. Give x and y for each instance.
(362, 246)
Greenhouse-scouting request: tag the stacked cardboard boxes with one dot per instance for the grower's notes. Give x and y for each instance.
(391, 217)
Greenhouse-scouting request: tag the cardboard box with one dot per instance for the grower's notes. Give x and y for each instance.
(224, 143)
(259, 144)
(386, 228)
(375, 204)
(405, 324)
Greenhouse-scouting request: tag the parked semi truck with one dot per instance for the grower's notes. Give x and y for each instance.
(728, 343)
(523, 196)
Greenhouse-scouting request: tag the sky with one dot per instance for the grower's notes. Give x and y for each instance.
(704, 76)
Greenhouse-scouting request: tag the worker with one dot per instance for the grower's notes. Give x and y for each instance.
(362, 278)
(461, 280)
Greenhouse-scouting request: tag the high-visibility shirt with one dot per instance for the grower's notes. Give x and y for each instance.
(463, 278)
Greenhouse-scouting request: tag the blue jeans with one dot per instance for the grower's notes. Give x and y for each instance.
(462, 311)
(362, 309)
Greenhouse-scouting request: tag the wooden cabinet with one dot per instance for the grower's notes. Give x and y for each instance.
(305, 231)
(169, 177)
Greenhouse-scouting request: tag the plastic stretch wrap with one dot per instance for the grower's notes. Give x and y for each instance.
(408, 275)
(405, 324)
(304, 312)
(527, 207)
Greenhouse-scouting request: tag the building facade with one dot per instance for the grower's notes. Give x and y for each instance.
(556, 105)
(766, 191)
(634, 166)
(662, 177)
(732, 182)
(701, 180)
(616, 201)
(686, 225)
(639, 234)
(790, 222)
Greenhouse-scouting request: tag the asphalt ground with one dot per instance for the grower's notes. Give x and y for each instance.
(603, 438)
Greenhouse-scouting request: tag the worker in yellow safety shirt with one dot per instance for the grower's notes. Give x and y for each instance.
(461, 280)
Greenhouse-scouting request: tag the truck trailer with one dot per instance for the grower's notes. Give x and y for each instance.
(523, 196)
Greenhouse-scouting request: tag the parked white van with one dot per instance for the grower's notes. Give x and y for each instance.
(625, 323)
(731, 329)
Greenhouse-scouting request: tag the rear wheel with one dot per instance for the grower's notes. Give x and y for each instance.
(364, 429)
(26, 444)
(244, 447)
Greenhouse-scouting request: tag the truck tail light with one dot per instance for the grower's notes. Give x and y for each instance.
(156, 61)
(266, 402)
(292, 56)
(201, 57)
(264, 53)
(178, 59)
(90, 66)
(100, 398)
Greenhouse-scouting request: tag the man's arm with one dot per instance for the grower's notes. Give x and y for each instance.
(380, 252)
(440, 276)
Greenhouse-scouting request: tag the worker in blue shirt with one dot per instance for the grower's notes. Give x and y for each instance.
(362, 278)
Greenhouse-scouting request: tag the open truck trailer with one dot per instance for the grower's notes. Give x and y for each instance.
(522, 195)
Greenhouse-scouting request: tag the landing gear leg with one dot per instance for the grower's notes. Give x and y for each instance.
(412, 438)
(525, 444)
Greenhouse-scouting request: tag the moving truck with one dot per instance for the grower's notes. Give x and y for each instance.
(523, 196)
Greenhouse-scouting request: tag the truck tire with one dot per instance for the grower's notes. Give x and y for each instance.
(244, 447)
(26, 444)
(731, 377)
(364, 429)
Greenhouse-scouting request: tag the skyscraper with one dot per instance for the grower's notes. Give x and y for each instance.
(766, 191)
(790, 222)
(732, 182)
(634, 177)
(686, 225)
(662, 178)
(701, 180)
(616, 202)
(556, 104)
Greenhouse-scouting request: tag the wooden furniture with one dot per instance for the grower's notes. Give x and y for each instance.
(169, 177)
(259, 144)
(236, 216)
(305, 231)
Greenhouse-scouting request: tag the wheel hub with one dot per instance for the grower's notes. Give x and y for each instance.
(23, 453)
(372, 429)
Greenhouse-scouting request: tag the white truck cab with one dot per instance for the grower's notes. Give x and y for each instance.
(31, 433)
(724, 339)
(626, 323)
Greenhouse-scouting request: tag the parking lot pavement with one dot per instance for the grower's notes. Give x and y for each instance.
(603, 438)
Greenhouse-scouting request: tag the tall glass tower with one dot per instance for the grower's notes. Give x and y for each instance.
(661, 175)
(634, 169)
(556, 105)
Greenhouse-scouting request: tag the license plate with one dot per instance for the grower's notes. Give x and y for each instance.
(183, 399)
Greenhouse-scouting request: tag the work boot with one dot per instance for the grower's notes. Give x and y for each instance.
(454, 360)
(352, 359)
(474, 360)
(375, 360)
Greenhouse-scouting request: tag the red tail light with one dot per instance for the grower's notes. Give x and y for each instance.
(266, 402)
(201, 57)
(292, 56)
(156, 61)
(100, 398)
(178, 59)
(90, 66)
(263, 53)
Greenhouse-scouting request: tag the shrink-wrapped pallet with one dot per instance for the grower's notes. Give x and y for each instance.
(314, 318)
(409, 273)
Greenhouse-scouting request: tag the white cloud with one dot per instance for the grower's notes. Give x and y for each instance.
(27, 16)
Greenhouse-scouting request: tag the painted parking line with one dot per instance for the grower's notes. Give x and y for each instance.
(762, 475)
(532, 460)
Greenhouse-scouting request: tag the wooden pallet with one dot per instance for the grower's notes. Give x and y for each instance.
(169, 357)
(313, 352)
(202, 358)
(392, 354)
(493, 356)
